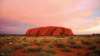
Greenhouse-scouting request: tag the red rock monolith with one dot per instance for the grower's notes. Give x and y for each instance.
(49, 31)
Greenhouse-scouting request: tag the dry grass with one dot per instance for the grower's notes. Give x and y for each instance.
(49, 46)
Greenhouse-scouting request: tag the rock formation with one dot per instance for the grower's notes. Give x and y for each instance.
(49, 31)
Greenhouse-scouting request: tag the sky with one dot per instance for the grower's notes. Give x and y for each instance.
(17, 16)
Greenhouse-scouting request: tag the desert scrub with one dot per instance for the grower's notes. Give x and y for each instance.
(49, 47)
(20, 40)
(75, 46)
(45, 40)
(38, 51)
(59, 45)
(25, 44)
(97, 41)
(6, 51)
(89, 44)
(87, 41)
(66, 49)
(91, 47)
(57, 41)
(95, 52)
(39, 42)
(47, 52)
(62, 36)
(71, 40)
(31, 49)
(22, 44)
(63, 47)
(5, 40)
(19, 46)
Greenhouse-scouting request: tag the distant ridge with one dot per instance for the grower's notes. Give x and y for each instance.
(12, 34)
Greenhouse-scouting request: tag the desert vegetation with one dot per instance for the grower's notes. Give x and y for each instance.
(50, 46)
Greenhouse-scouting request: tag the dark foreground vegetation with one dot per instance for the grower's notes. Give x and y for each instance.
(86, 45)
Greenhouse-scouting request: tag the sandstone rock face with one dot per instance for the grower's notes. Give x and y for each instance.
(49, 31)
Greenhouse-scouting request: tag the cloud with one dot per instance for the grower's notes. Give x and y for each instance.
(13, 27)
(24, 14)
(94, 29)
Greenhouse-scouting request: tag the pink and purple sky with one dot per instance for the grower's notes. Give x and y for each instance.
(82, 16)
